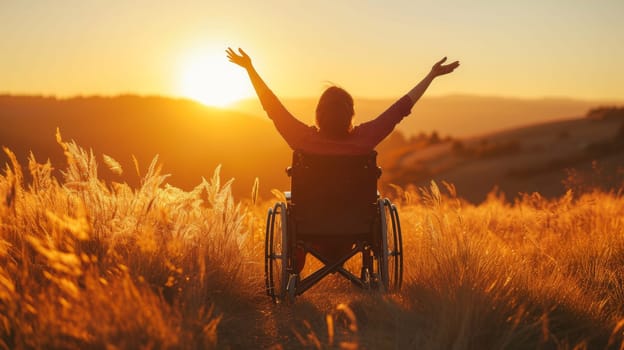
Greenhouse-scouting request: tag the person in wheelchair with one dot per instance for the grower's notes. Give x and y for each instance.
(334, 135)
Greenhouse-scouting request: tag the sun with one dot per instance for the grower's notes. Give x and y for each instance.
(208, 77)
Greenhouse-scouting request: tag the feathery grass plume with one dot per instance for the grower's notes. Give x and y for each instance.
(66, 152)
(279, 195)
(254, 191)
(14, 177)
(432, 196)
(450, 188)
(112, 164)
(42, 179)
(400, 192)
(82, 166)
(10, 190)
(136, 165)
(17, 168)
(216, 194)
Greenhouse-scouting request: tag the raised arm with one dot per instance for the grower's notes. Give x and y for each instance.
(376, 130)
(288, 126)
(437, 70)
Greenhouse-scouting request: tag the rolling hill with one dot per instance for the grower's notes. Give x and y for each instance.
(548, 158)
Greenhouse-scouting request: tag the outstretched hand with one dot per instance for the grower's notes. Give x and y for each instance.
(241, 59)
(440, 69)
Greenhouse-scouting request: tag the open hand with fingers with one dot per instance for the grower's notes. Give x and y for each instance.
(440, 69)
(241, 59)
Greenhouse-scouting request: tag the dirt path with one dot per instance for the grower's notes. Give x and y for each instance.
(365, 319)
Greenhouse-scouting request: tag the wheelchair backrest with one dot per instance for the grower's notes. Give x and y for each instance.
(334, 195)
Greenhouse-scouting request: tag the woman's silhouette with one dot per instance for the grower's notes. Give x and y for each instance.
(334, 132)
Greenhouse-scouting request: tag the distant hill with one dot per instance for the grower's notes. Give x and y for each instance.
(456, 115)
(191, 139)
(547, 158)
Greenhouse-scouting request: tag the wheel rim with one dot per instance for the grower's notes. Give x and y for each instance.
(398, 252)
(391, 257)
(268, 243)
(276, 250)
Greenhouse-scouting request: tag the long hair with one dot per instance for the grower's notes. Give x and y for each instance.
(334, 113)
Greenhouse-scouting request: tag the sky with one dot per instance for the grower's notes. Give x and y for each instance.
(374, 49)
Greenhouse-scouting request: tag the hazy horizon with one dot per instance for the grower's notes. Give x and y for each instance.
(308, 97)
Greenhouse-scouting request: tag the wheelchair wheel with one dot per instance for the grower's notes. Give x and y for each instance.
(390, 257)
(276, 252)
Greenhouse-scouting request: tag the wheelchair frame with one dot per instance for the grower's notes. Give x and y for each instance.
(381, 252)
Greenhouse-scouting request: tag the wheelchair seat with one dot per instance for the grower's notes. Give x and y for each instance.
(333, 195)
(333, 201)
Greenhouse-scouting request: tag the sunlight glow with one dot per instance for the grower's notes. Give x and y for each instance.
(208, 77)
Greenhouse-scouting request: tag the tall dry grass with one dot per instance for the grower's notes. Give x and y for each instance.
(89, 264)
(536, 273)
(101, 265)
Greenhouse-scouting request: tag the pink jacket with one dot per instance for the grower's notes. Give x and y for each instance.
(362, 139)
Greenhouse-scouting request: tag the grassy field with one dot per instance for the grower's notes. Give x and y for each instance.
(101, 265)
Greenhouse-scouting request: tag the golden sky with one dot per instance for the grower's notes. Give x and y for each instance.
(372, 48)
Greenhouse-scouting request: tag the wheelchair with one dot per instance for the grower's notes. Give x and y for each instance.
(333, 200)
